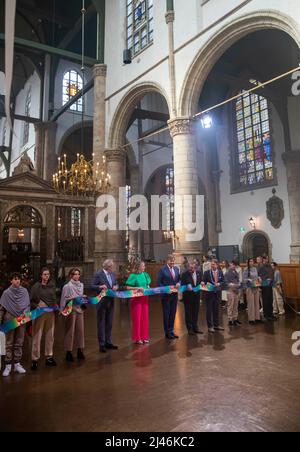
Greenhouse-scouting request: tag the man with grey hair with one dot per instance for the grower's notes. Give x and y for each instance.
(103, 280)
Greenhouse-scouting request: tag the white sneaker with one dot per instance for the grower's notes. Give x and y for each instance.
(19, 369)
(7, 370)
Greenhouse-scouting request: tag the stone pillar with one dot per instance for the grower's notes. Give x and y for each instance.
(292, 161)
(100, 71)
(186, 179)
(135, 190)
(45, 145)
(170, 18)
(112, 244)
(51, 232)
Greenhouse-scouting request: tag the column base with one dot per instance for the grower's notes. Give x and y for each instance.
(295, 254)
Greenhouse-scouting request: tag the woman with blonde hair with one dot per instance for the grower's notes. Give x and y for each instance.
(139, 279)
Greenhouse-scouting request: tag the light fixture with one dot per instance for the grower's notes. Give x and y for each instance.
(21, 234)
(252, 223)
(83, 178)
(206, 122)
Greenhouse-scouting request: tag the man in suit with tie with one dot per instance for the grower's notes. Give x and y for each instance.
(214, 276)
(169, 276)
(191, 300)
(103, 280)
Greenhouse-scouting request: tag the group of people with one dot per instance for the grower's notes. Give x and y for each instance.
(16, 300)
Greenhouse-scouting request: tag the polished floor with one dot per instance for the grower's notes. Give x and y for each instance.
(244, 380)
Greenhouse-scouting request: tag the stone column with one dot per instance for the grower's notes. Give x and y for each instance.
(170, 18)
(135, 190)
(45, 145)
(100, 71)
(186, 179)
(112, 244)
(51, 232)
(292, 161)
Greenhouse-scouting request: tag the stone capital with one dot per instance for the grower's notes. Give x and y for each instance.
(100, 70)
(170, 16)
(291, 157)
(115, 155)
(181, 126)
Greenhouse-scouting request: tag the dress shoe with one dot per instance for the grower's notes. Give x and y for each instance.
(139, 343)
(103, 350)
(236, 323)
(211, 330)
(34, 365)
(111, 347)
(230, 323)
(191, 333)
(69, 357)
(198, 332)
(219, 328)
(170, 337)
(174, 336)
(80, 355)
(146, 342)
(50, 362)
(259, 322)
(251, 323)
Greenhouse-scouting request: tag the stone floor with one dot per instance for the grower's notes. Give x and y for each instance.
(244, 380)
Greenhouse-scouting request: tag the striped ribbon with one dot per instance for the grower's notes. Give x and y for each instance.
(30, 316)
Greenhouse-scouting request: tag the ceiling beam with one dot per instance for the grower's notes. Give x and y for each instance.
(76, 28)
(36, 46)
(138, 113)
(39, 13)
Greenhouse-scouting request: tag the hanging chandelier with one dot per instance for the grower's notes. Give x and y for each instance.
(83, 178)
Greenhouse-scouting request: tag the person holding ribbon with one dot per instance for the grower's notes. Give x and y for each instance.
(215, 277)
(43, 295)
(74, 329)
(169, 275)
(104, 280)
(139, 280)
(252, 281)
(14, 303)
(191, 300)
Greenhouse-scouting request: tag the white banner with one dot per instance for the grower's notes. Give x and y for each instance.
(10, 14)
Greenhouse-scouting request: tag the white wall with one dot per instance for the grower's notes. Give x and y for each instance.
(238, 208)
(34, 85)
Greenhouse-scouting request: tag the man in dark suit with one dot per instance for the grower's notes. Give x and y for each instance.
(214, 276)
(169, 276)
(103, 280)
(191, 299)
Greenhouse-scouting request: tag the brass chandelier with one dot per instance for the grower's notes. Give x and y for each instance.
(83, 178)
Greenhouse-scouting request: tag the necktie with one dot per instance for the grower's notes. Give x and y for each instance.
(109, 278)
(216, 276)
(195, 278)
(173, 273)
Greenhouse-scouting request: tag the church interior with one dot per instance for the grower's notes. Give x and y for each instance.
(108, 106)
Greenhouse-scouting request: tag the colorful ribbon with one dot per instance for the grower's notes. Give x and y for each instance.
(30, 316)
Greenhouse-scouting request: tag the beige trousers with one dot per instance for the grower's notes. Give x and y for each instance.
(253, 297)
(46, 324)
(233, 299)
(278, 305)
(14, 342)
(74, 333)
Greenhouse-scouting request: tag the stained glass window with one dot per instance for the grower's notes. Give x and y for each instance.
(170, 192)
(139, 18)
(255, 156)
(27, 113)
(75, 222)
(72, 84)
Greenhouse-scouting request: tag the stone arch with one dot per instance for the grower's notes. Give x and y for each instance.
(69, 132)
(217, 46)
(248, 243)
(117, 133)
(15, 205)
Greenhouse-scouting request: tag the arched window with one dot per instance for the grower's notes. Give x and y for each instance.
(139, 24)
(254, 160)
(27, 113)
(170, 192)
(72, 84)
